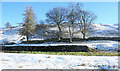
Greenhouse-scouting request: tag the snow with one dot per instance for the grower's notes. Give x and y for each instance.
(104, 30)
(43, 61)
(104, 45)
(10, 35)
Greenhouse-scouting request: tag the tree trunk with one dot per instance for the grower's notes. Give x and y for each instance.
(59, 38)
(70, 35)
(84, 36)
(27, 37)
(84, 29)
(71, 39)
(60, 32)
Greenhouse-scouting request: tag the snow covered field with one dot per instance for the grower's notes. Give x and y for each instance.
(104, 45)
(42, 61)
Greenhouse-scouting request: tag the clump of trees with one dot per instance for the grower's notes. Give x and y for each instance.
(8, 25)
(73, 17)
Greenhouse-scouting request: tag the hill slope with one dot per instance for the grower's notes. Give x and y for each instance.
(98, 30)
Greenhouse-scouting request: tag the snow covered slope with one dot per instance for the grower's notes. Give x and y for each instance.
(10, 35)
(104, 30)
(100, 30)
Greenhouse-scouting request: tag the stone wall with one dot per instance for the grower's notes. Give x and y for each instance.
(60, 48)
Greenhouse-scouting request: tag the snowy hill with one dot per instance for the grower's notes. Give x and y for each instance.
(105, 30)
(10, 35)
(99, 30)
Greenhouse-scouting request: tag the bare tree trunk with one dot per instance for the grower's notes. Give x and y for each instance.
(60, 32)
(70, 38)
(84, 35)
(70, 34)
(59, 38)
(27, 37)
(84, 29)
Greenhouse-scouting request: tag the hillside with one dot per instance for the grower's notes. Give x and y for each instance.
(105, 30)
(10, 35)
(97, 30)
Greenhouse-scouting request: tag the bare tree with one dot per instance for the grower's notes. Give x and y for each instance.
(85, 19)
(56, 16)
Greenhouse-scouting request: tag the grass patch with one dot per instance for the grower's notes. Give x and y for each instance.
(69, 53)
(20, 66)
